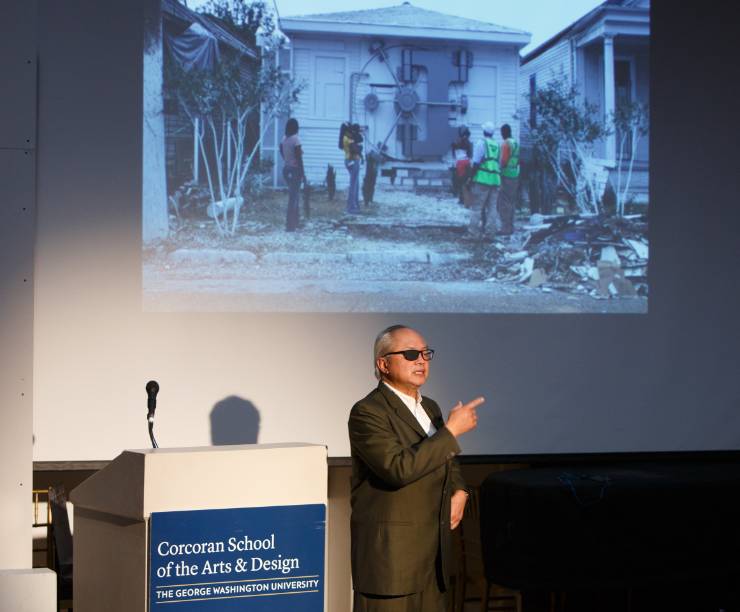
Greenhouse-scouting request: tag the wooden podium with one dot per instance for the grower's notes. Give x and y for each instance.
(115, 563)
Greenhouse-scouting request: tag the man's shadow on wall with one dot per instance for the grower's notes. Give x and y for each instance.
(234, 420)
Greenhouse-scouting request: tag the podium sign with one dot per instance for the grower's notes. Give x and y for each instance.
(255, 559)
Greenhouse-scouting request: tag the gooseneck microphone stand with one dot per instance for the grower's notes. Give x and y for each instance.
(152, 388)
(151, 432)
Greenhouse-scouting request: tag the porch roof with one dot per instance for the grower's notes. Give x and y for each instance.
(222, 35)
(612, 17)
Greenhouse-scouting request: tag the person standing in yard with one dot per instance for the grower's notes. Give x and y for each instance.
(486, 179)
(350, 139)
(292, 154)
(374, 159)
(506, 203)
(462, 151)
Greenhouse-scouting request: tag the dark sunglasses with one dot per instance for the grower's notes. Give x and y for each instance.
(413, 354)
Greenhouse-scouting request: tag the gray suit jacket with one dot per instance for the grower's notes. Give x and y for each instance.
(402, 481)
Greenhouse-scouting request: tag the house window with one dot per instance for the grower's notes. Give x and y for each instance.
(532, 105)
(284, 59)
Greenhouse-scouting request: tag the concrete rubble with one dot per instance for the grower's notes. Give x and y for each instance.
(604, 257)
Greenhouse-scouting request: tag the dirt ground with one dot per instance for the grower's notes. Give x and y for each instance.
(405, 252)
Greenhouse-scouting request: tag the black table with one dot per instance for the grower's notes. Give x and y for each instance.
(611, 526)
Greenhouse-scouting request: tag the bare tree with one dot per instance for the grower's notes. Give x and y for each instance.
(564, 135)
(631, 124)
(221, 101)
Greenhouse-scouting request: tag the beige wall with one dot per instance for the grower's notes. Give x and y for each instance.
(17, 221)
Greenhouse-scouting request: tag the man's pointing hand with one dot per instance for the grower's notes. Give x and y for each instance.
(463, 417)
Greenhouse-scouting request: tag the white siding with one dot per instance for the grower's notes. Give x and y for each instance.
(325, 67)
(501, 64)
(585, 68)
(556, 62)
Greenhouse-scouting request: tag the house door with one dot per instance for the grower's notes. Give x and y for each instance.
(329, 82)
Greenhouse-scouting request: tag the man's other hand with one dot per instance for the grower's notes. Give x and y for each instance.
(458, 501)
(463, 418)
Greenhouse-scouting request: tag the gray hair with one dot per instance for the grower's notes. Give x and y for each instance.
(383, 344)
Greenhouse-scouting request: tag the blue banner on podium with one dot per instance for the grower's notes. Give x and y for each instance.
(238, 559)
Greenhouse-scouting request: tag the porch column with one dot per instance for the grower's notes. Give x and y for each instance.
(154, 213)
(196, 151)
(610, 97)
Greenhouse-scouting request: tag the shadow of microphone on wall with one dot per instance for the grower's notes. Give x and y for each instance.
(234, 420)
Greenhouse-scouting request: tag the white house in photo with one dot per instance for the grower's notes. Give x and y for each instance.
(407, 75)
(605, 54)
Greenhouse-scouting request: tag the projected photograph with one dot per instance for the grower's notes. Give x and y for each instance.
(411, 157)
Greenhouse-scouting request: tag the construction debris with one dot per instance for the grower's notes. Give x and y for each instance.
(605, 257)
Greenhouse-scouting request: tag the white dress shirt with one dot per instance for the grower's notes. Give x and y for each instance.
(414, 405)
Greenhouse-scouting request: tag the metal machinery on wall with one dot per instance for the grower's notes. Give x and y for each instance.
(425, 88)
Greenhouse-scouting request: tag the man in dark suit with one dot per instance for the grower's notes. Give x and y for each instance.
(407, 491)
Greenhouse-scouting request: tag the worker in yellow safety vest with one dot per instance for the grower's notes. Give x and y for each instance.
(486, 173)
(507, 195)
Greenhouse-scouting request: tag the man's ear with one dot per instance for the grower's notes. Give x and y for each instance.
(382, 365)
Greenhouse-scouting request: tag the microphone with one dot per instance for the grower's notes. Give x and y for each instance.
(152, 388)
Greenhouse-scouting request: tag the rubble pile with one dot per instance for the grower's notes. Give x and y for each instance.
(600, 256)
(190, 199)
